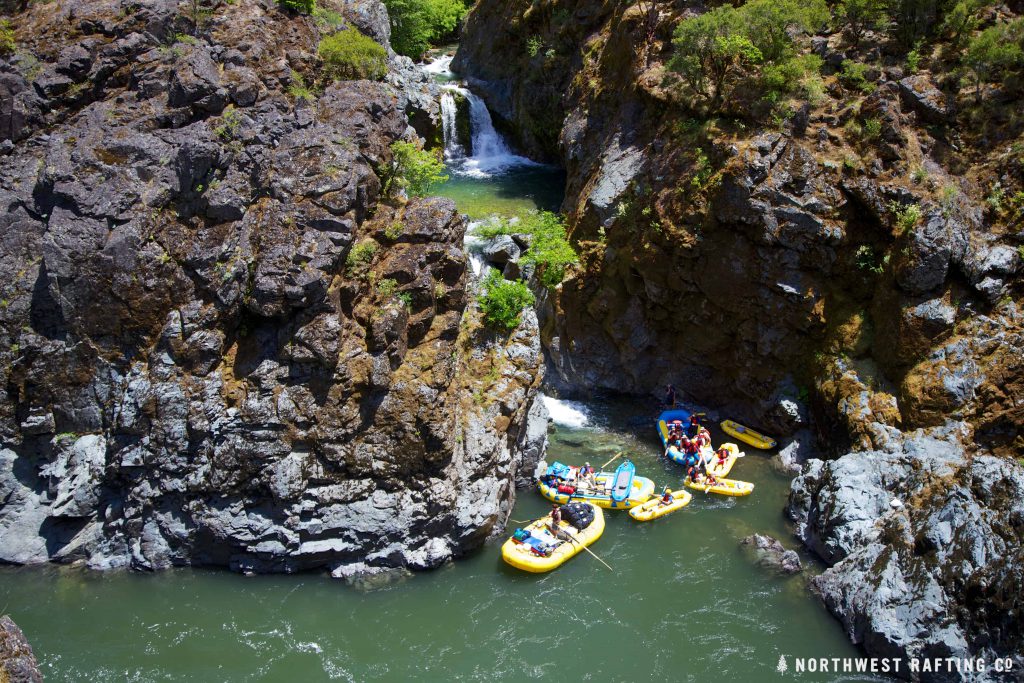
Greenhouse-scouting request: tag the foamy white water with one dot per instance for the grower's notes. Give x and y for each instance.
(567, 413)
(442, 66)
(490, 155)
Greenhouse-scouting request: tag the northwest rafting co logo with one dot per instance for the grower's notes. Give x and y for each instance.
(892, 665)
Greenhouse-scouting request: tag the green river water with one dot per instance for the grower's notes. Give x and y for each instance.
(683, 603)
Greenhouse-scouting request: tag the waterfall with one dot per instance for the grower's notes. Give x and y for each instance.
(490, 154)
(449, 121)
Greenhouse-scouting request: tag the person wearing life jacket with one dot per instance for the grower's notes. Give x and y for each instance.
(670, 396)
(693, 474)
(723, 456)
(556, 519)
(666, 497)
(587, 476)
(693, 429)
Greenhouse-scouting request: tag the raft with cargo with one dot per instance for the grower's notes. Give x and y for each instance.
(539, 547)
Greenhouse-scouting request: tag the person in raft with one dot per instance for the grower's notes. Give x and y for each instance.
(670, 396)
(556, 519)
(666, 497)
(693, 473)
(723, 456)
(693, 429)
(586, 477)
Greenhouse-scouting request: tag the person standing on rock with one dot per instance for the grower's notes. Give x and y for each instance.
(670, 396)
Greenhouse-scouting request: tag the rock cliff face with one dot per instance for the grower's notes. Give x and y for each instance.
(771, 269)
(17, 663)
(220, 341)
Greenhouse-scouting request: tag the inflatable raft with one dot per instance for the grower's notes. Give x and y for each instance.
(748, 435)
(618, 490)
(723, 470)
(724, 487)
(653, 509)
(537, 550)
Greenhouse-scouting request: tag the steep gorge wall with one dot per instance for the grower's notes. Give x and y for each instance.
(200, 363)
(763, 268)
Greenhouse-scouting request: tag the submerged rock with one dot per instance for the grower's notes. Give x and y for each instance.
(768, 552)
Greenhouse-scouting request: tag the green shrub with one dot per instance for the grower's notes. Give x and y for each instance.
(859, 16)
(854, 75)
(360, 257)
(349, 55)
(303, 6)
(416, 169)
(393, 231)
(717, 51)
(502, 301)
(913, 60)
(297, 89)
(533, 46)
(872, 128)
(386, 287)
(905, 217)
(416, 24)
(550, 249)
(994, 52)
(7, 43)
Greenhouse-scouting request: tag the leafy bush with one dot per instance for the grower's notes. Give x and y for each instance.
(860, 16)
(416, 24)
(350, 55)
(905, 216)
(717, 51)
(995, 51)
(297, 88)
(502, 301)
(303, 6)
(387, 287)
(360, 257)
(549, 248)
(872, 128)
(854, 75)
(7, 43)
(533, 46)
(393, 231)
(416, 169)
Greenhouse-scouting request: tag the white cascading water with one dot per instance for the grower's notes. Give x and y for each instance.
(490, 154)
(449, 120)
(566, 413)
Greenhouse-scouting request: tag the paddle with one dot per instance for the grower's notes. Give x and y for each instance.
(617, 456)
(576, 540)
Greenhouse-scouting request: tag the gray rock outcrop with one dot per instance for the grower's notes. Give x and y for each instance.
(924, 546)
(17, 662)
(213, 354)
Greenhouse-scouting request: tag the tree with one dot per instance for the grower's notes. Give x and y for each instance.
(995, 51)
(416, 24)
(416, 169)
(303, 6)
(860, 16)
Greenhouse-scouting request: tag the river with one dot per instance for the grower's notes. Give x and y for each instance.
(682, 603)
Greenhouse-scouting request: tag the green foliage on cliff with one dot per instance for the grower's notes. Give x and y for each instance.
(7, 43)
(995, 52)
(550, 250)
(417, 24)
(858, 16)
(350, 55)
(304, 6)
(502, 301)
(416, 169)
(719, 51)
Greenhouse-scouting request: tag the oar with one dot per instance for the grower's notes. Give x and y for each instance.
(617, 455)
(576, 540)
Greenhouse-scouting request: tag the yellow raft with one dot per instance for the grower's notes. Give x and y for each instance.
(653, 509)
(726, 467)
(725, 487)
(642, 489)
(748, 435)
(520, 556)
